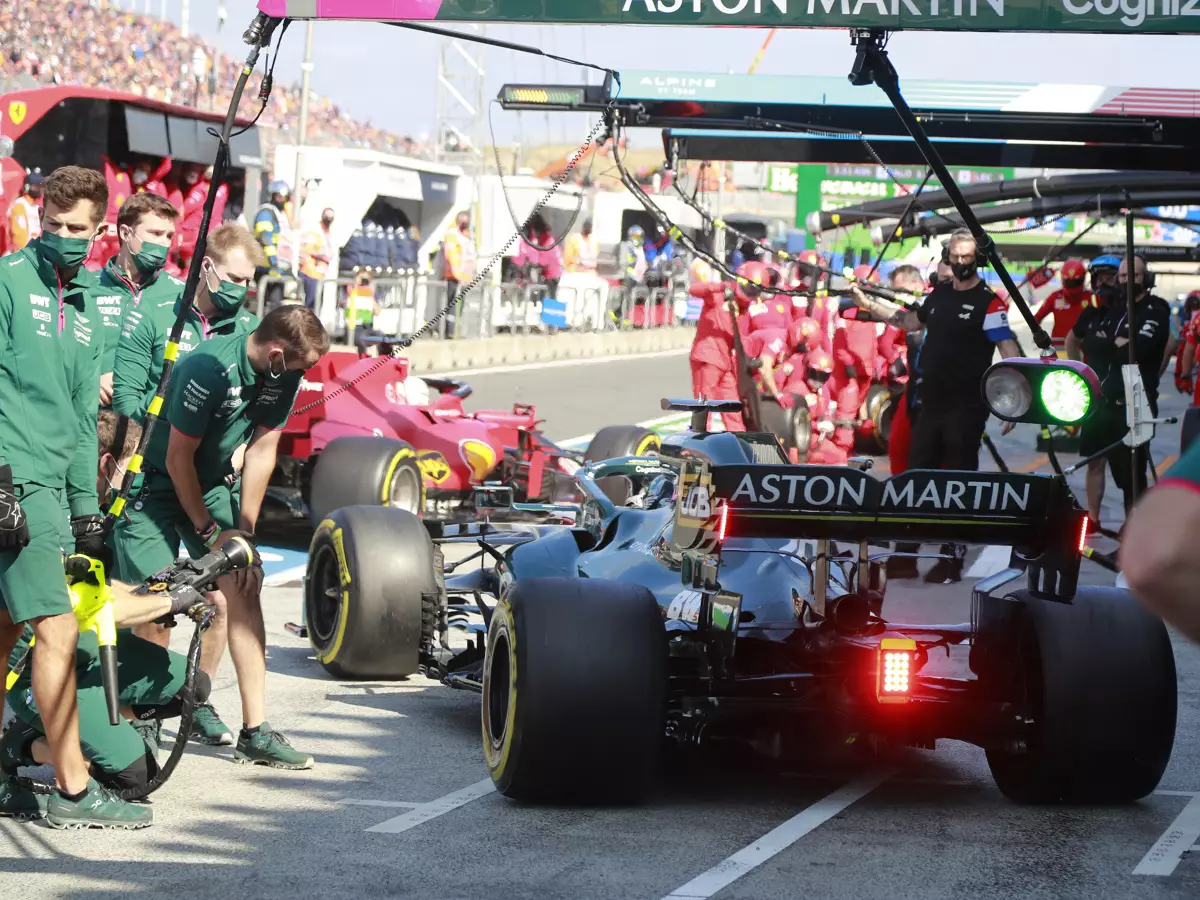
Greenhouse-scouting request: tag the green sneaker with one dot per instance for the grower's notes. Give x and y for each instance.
(207, 727)
(151, 732)
(18, 800)
(269, 748)
(98, 808)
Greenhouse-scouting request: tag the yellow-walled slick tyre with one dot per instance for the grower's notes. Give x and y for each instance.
(370, 595)
(574, 691)
(366, 471)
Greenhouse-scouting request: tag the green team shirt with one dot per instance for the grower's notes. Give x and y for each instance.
(1186, 472)
(216, 396)
(118, 296)
(139, 355)
(50, 347)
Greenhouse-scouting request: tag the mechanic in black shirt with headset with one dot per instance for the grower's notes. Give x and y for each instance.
(1101, 338)
(965, 324)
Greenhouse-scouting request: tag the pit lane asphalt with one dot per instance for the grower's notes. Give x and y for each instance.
(934, 826)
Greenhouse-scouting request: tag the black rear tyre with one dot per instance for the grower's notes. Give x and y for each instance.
(1097, 678)
(792, 426)
(366, 471)
(370, 595)
(574, 691)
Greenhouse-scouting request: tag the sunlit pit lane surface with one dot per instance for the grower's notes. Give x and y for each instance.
(398, 804)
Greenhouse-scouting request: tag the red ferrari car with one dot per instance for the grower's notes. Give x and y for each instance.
(366, 432)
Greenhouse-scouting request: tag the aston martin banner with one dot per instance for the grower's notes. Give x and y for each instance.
(1099, 16)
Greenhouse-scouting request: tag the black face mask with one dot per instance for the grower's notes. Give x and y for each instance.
(326, 222)
(1105, 292)
(963, 271)
(278, 203)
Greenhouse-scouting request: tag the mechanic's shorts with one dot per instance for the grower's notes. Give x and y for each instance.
(1103, 428)
(147, 675)
(32, 581)
(146, 537)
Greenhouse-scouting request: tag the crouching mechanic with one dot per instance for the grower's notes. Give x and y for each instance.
(150, 682)
(230, 260)
(230, 391)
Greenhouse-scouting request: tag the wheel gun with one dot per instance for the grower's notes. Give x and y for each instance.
(92, 603)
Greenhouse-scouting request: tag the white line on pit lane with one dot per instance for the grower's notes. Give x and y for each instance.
(420, 813)
(1179, 838)
(993, 559)
(777, 840)
(559, 363)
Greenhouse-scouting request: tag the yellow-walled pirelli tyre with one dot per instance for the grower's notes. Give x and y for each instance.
(614, 441)
(366, 471)
(622, 440)
(1096, 680)
(574, 691)
(370, 593)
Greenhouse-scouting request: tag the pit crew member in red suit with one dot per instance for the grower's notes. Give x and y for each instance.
(714, 376)
(832, 440)
(1066, 303)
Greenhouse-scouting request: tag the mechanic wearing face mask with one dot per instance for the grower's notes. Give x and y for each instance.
(1067, 303)
(233, 391)
(226, 272)
(50, 351)
(145, 227)
(965, 324)
(150, 683)
(1101, 338)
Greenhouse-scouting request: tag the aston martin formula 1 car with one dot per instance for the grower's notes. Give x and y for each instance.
(369, 432)
(730, 594)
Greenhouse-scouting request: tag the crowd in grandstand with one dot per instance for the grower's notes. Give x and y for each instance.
(96, 42)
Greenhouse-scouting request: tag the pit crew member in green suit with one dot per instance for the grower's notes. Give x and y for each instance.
(1159, 553)
(231, 391)
(226, 272)
(134, 278)
(150, 681)
(50, 346)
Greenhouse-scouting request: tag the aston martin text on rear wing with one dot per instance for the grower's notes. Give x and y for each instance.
(1026, 511)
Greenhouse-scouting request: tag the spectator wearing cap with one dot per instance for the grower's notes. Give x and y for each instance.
(23, 222)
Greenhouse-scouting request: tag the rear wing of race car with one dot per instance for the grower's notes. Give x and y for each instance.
(1036, 515)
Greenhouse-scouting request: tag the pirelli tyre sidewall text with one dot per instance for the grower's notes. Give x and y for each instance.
(367, 471)
(370, 593)
(574, 714)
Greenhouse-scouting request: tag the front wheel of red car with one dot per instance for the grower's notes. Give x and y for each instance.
(366, 471)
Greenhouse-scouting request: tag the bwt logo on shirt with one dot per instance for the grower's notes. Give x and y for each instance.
(38, 300)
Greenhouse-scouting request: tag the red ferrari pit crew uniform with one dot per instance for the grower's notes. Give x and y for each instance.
(768, 313)
(768, 342)
(831, 443)
(713, 374)
(1191, 338)
(1065, 305)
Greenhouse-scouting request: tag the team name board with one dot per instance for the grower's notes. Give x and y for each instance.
(834, 491)
(1098, 16)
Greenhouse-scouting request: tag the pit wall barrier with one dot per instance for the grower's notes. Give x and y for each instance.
(501, 324)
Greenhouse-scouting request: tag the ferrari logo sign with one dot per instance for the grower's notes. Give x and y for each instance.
(16, 111)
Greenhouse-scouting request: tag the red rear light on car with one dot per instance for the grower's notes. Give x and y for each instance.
(896, 663)
(1083, 531)
(722, 522)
